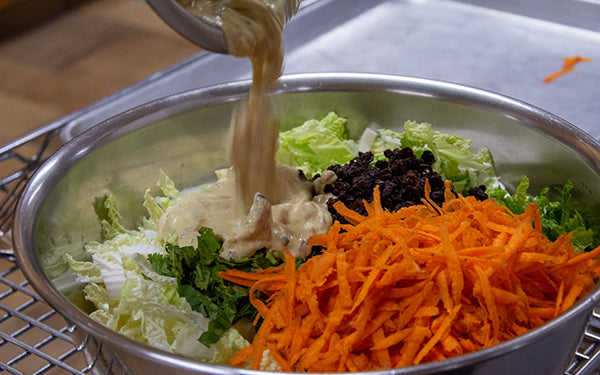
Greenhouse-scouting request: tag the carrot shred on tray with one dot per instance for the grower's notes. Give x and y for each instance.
(568, 66)
(417, 285)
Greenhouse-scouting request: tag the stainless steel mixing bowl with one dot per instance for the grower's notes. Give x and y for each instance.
(185, 135)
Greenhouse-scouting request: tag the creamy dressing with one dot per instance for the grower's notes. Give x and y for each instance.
(253, 29)
(254, 204)
(283, 224)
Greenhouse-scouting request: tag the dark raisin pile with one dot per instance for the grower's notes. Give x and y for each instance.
(478, 192)
(401, 181)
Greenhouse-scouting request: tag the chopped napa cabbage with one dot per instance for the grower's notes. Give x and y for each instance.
(269, 363)
(110, 219)
(130, 297)
(454, 158)
(315, 145)
(377, 141)
(230, 343)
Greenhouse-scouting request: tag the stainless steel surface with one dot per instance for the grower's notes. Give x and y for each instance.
(123, 155)
(205, 34)
(508, 51)
(314, 18)
(576, 13)
(472, 45)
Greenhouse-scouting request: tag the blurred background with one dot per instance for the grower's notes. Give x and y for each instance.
(57, 56)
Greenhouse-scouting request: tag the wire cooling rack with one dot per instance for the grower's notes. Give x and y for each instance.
(35, 339)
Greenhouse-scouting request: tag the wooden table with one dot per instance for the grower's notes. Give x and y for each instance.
(86, 52)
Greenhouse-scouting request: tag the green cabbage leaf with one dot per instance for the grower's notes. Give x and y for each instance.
(316, 144)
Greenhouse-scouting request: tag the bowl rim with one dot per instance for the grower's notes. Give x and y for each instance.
(81, 145)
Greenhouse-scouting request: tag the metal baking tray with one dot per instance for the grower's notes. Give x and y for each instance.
(504, 46)
(506, 51)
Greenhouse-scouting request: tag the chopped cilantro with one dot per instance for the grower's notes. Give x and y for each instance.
(196, 271)
(558, 212)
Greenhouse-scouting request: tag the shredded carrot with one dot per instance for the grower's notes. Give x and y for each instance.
(567, 67)
(417, 285)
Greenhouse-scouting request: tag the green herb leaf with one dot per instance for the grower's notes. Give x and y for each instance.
(558, 212)
(197, 273)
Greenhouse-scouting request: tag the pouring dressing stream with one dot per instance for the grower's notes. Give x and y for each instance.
(243, 28)
(255, 203)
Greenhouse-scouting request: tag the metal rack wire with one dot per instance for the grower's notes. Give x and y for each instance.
(35, 339)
